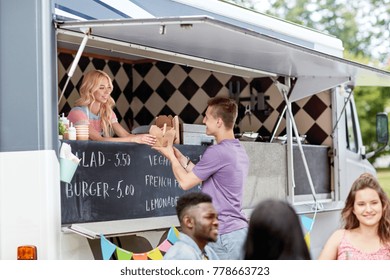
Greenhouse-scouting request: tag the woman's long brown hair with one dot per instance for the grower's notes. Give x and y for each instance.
(367, 180)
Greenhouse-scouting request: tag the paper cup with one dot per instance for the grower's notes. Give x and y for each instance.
(67, 170)
(82, 132)
(82, 137)
(81, 126)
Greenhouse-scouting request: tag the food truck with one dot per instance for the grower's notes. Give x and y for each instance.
(297, 117)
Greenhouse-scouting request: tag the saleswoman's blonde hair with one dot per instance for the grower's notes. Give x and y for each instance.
(90, 84)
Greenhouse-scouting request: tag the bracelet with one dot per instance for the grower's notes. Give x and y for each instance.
(188, 162)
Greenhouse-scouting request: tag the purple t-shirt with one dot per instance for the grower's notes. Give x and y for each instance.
(223, 169)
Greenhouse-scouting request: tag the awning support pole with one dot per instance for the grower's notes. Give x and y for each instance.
(278, 124)
(283, 89)
(342, 111)
(74, 65)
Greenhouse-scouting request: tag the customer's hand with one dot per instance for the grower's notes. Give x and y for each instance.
(166, 151)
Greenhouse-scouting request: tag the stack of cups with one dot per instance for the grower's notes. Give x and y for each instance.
(82, 131)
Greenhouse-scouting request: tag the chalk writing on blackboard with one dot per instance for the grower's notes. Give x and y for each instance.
(161, 202)
(117, 181)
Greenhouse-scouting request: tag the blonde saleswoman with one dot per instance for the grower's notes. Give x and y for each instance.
(95, 108)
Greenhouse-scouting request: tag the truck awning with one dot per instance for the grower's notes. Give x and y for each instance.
(215, 45)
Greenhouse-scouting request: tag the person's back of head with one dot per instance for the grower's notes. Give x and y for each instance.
(275, 233)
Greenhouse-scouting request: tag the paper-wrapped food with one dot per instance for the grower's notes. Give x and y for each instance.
(166, 131)
(66, 153)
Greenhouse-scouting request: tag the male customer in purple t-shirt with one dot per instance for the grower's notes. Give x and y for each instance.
(222, 170)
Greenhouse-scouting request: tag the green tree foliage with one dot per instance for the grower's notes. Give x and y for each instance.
(369, 101)
(363, 26)
(329, 16)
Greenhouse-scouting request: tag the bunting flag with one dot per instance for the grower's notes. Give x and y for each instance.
(173, 235)
(109, 248)
(306, 222)
(307, 239)
(123, 255)
(140, 256)
(307, 225)
(155, 254)
(164, 246)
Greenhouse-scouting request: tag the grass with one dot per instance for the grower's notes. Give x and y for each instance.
(384, 179)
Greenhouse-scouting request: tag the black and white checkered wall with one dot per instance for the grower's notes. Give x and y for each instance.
(145, 90)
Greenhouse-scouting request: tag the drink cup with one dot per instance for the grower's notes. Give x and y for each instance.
(67, 170)
(82, 132)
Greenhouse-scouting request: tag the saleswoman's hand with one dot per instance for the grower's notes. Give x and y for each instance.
(147, 139)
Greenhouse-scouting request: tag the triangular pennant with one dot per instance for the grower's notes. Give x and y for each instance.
(123, 254)
(307, 239)
(173, 235)
(306, 222)
(140, 256)
(155, 254)
(107, 248)
(164, 246)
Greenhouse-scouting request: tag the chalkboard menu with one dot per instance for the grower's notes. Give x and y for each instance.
(116, 181)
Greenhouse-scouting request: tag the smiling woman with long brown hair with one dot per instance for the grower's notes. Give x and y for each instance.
(366, 216)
